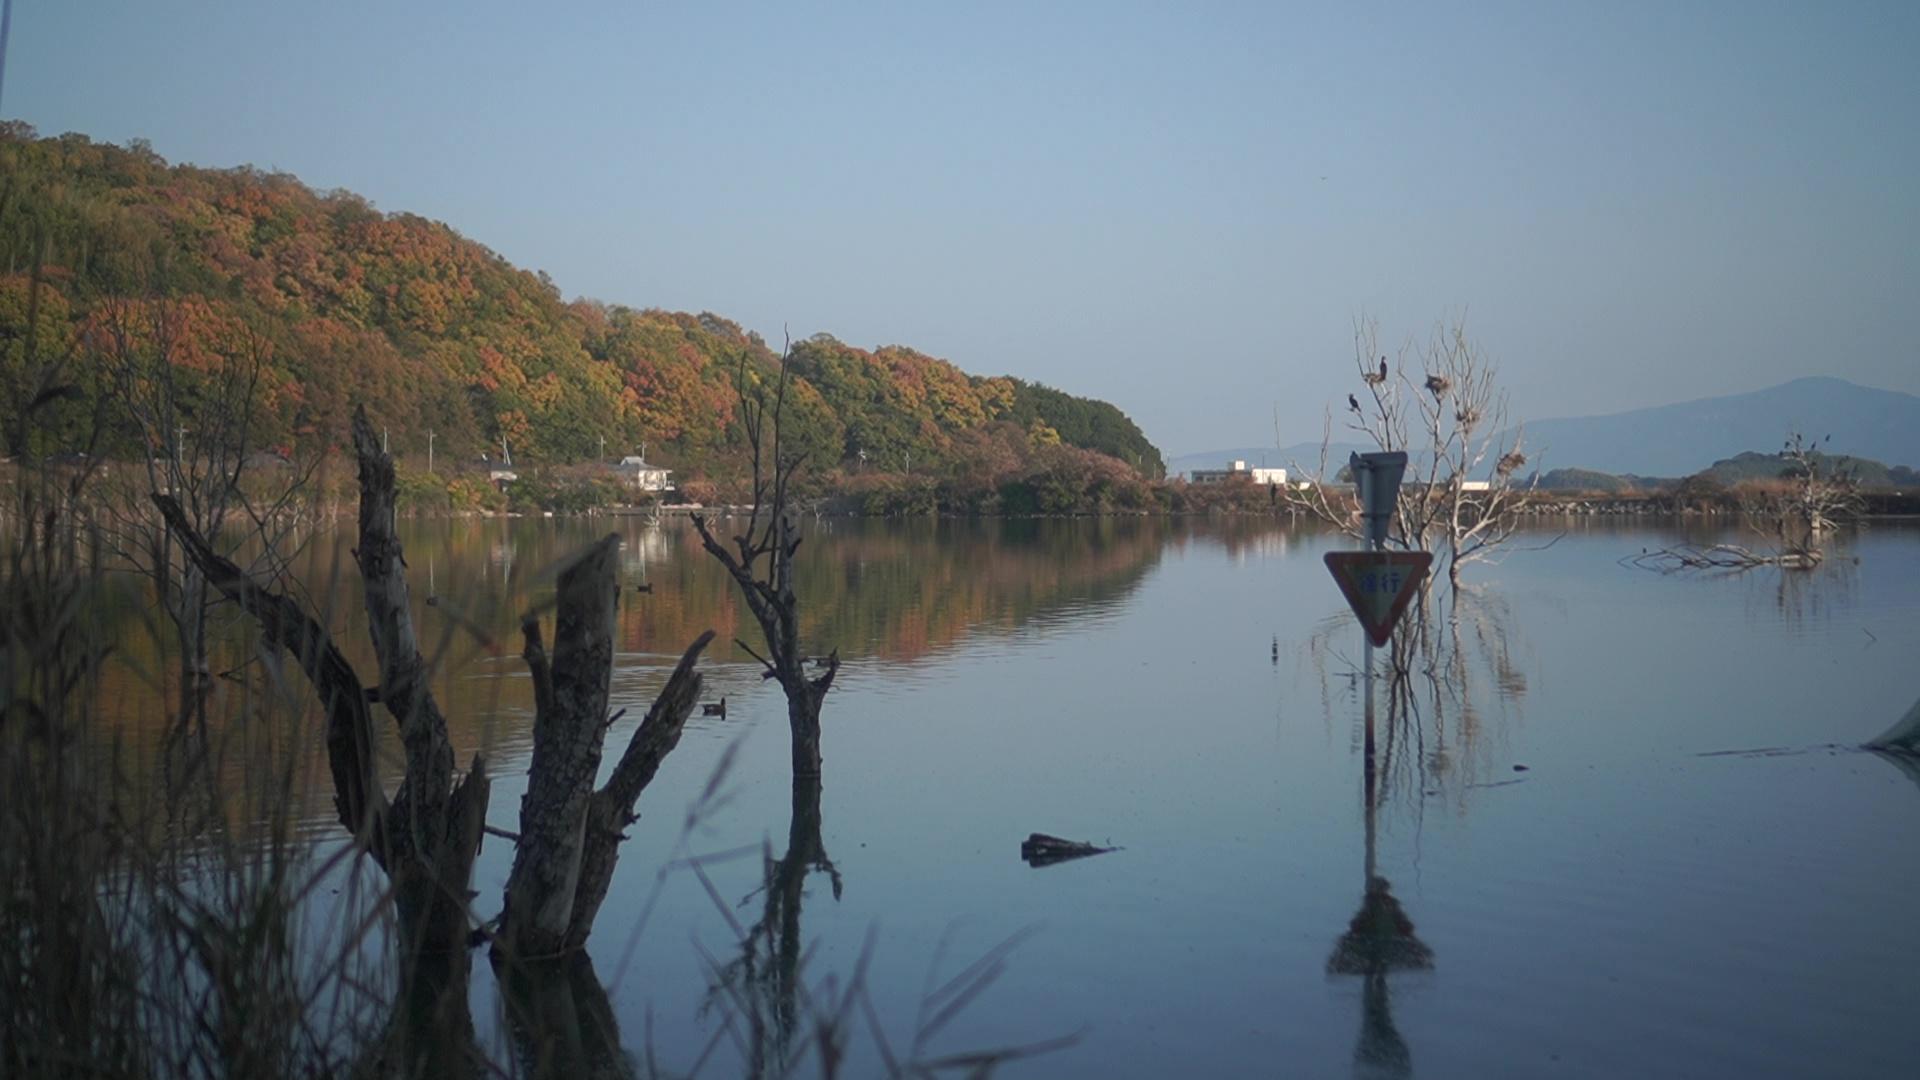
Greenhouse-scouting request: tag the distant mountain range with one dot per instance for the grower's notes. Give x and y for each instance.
(1686, 437)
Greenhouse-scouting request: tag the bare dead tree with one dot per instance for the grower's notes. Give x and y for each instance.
(1820, 495)
(1812, 496)
(426, 837)
(1464, 492)
(761, 560)
(196, 425)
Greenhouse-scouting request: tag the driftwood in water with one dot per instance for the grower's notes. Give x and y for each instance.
(1039, 849)
(1723, 557)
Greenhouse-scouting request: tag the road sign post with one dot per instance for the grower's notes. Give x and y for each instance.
(1379, 586)
(1376, 478)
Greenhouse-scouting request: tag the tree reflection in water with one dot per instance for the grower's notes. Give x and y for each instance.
(759, 992)
(782, 1026)
(560, 1020)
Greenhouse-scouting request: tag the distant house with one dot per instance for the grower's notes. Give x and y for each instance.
(1239, 473)
(499, 473)
(641, 474)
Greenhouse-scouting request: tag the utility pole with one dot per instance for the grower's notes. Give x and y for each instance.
(6, 26)
(429, 451)
(909, 454)
(603, 448)
(383, 439)
(178, 477)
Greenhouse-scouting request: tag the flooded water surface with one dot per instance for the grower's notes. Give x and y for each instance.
(1616, 826)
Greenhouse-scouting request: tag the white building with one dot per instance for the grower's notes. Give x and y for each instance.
(1239, 472)
(647, 477)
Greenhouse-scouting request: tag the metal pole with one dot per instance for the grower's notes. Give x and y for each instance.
(1366, 480)
(1368, 661)
(6, 28)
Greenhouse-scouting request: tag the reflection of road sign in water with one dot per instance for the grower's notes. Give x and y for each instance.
(1378, 585)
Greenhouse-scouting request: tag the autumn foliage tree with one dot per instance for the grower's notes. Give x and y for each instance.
(437, 334)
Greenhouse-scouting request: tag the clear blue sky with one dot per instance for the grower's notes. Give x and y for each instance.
(1179, 208)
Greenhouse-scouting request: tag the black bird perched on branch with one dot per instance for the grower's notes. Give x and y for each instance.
(1353, 403)
(1376, 380)
(1438, 384)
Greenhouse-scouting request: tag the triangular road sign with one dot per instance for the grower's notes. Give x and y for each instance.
(1379, 585)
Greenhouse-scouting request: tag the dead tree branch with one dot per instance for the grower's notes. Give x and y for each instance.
(611, 809)
(1464, 491)
(360, 803)
(761, 562)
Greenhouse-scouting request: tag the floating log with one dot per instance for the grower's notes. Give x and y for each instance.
(1039, 849)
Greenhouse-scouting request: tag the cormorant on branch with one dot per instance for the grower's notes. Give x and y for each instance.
(1438, 384)
(1353, 403)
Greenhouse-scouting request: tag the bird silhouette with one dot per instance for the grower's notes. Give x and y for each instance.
(1353, 403)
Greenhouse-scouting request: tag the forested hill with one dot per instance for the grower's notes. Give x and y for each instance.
(434, 332)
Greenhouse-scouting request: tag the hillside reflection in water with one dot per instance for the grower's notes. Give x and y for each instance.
(1624, 904)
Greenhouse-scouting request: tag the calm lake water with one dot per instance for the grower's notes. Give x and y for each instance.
(1636, 901)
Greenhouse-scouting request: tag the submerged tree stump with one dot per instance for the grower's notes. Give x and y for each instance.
(427, 836)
